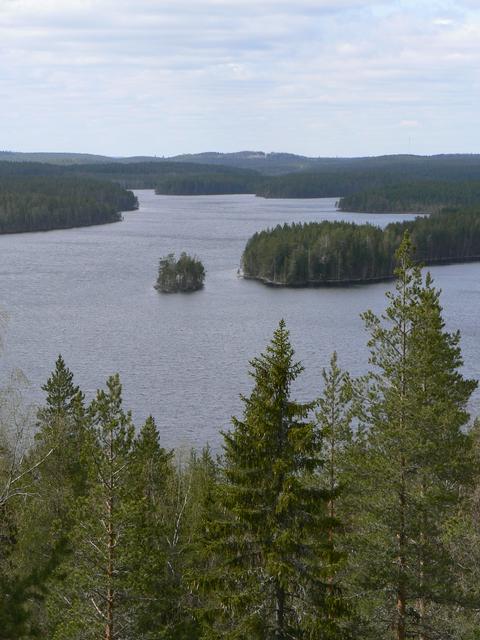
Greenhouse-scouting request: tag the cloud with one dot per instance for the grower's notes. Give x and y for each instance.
(156, 76)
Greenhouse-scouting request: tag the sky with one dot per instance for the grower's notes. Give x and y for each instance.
(314, 77)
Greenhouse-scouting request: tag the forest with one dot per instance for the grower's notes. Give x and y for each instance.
(144, 175)
(279, 163)
(206, 184)
(418, 197)
(33, 203)
(322, 253)
(351, 516)
(396, 178)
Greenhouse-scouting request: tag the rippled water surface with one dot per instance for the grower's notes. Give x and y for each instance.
(88, 293)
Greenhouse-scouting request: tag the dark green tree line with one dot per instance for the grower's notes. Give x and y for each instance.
(319, 253)
(419, 197)
(51, 202)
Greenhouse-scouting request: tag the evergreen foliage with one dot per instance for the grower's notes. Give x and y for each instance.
(420, 197)
(93, 598)
(51, 202)
(183, 275)
(412, 459)
(334, 414)
(59, 480)
(207, 184)
(322, 253)
(273, 538)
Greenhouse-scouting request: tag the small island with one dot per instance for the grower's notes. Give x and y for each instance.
(183, 275)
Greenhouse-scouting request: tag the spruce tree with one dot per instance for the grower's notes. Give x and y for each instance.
(154, 578)
(57, 479)
(273, 539)
(411, 457)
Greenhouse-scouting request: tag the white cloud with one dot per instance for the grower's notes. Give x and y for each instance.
(157, 76)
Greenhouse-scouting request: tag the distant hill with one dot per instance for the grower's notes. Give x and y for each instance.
(271, 163)
(52, 158)
(278, 175)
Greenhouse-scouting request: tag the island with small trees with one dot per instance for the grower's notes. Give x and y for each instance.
(183, 275)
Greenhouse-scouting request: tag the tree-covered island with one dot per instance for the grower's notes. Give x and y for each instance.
(183, 275)
(336, 253)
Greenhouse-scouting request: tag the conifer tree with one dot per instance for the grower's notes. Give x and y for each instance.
(92, 602)
(411, 457)
(271, 540)
(334, 415)
(154, 578)
(57, 479)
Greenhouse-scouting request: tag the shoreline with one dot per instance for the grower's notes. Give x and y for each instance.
(317, 284)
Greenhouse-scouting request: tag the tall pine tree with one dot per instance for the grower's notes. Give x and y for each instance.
(92, 603)
(411, 457)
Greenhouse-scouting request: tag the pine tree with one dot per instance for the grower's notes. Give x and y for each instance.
(462, 537)
(334, 416)
(273, 535)
(411, 456)
(92, 601)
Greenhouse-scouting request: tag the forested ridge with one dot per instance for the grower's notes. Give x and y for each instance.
(162, 175)
(33, 203)
(353, 516)
(275, 163)
(419, 197)
(316, 253)
(328, 178)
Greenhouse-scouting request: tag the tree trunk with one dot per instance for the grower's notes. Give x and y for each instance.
(401, 591)
(110, 564)
(110, 595)
(280, 613)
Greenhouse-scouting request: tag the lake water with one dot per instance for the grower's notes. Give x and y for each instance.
(88, 294)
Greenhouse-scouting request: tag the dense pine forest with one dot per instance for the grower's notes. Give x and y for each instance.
(322, 253)
(193, 179)
(30, 203)
(351, 516)
(207, 184)
(396, 178)
(419, 197)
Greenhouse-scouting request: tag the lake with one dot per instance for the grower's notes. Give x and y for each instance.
(88, 294)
